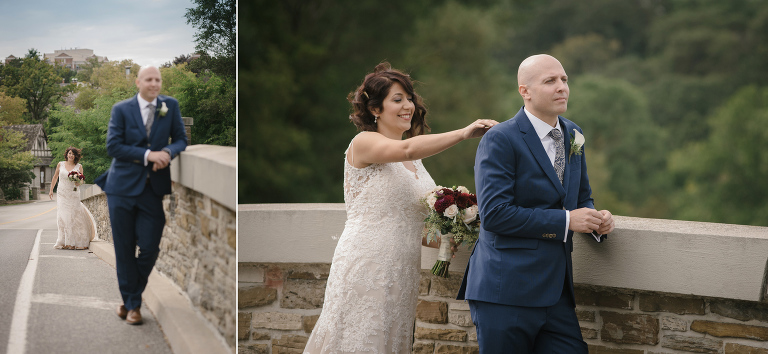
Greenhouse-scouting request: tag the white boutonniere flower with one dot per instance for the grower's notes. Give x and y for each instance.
(163, 110)
(577, 142)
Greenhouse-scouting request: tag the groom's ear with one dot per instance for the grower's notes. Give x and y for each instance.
(523, 91)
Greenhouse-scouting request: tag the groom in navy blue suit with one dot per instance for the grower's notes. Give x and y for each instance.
(137, 180)
(533, 193)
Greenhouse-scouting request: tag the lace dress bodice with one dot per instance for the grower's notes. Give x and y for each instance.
(72, 218)
(372, 288)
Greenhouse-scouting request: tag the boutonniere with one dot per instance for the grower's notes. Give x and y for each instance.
(577, 142)
(163, 109)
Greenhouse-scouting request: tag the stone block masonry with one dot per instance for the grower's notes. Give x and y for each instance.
(198, 255)
(279, 304)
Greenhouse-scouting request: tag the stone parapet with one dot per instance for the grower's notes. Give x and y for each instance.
(198, 248)
(651, 288)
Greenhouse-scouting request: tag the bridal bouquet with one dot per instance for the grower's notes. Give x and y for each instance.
(453, 216)
(76, 177)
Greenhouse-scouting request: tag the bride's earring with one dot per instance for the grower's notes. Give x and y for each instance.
(375, 119)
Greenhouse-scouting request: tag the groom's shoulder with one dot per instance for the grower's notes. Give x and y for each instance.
(169, 99)
(569, 124)
(125, 102)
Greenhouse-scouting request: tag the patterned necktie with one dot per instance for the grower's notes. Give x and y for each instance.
(557, 136)
(150, 118)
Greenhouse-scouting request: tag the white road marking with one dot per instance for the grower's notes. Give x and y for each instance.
(57, 256)
(17, 339)
(74, 300)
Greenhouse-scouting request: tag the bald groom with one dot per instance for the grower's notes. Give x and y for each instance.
(533, 193)
(139, 177)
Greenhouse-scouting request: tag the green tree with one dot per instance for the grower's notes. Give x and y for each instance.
(12, 110)
(216, 22)
(86, 70)
(451, 56)
(39, 86)
(86, 130)
(625, 149)
(209, 99)
(15, 163)
(723, 176)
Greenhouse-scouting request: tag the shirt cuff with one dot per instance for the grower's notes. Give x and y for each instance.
(146, 155)
(567, 223)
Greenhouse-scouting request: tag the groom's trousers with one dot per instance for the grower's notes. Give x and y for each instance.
(518, 329)
(136, 221)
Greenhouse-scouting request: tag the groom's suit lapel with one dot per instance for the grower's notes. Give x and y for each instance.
(135, 111)
(537, 149)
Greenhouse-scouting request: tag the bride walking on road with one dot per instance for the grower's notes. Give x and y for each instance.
(372, 288)
(73, 219)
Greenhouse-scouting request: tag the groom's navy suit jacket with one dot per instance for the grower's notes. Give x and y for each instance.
(127, 142)
(520, 258)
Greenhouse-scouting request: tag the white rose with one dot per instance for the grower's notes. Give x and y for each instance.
(462, 189)
(163, 110)
(431, 199)
(451, 211)
(470, 214)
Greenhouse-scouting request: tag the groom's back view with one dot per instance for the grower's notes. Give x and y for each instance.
(533, 193)
(137, 180)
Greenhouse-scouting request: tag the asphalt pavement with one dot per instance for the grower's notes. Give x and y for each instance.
(61, 301)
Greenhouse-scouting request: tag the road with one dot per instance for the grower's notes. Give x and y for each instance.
(60, 301)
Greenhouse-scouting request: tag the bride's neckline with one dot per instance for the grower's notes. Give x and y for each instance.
(66, 169)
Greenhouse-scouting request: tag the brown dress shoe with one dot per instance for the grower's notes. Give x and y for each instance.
(122, 312)
(134, 317)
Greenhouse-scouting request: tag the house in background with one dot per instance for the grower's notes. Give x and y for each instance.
(73, 58)
(37, 144)
(9, 59)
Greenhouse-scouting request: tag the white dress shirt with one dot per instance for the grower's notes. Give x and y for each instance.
(542, 130)
(145, 112)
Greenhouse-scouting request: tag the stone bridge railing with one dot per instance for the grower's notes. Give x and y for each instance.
(197, 251)
(656, 286)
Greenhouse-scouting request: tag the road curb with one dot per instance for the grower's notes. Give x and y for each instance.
(186, 331)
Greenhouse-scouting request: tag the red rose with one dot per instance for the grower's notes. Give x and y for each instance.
(463, 200)
(443, 203)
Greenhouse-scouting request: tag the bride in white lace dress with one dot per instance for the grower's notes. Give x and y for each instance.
(372, 289)
(73, 219)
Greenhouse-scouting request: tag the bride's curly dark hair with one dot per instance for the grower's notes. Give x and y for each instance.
(75, 151)
(372, 92)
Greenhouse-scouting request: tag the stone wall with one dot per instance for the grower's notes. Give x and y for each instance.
(96, 202)
(279, 304)
(655, 287)
(198, 248)
(197, 252)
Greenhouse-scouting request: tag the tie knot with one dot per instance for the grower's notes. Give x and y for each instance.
(556, 134)
(151, 107)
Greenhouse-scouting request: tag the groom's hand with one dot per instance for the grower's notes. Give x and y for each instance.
(586, 220)
(607, 225)
(161, 159)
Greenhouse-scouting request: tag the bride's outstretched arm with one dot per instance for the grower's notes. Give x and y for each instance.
(372, 147)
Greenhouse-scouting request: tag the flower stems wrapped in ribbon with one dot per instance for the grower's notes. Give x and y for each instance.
(452, 216)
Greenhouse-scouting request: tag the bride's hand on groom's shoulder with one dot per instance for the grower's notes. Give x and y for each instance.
(478, 128)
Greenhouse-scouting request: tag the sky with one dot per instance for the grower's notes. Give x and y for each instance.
(149, 32)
